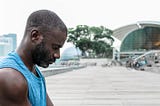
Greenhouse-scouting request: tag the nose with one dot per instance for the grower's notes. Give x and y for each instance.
(57, 55)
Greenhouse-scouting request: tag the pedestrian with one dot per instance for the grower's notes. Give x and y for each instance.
(21, 82)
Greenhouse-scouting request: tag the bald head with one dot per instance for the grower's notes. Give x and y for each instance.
(45, 20)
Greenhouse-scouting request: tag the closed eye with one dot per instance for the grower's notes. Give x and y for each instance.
(56, 47)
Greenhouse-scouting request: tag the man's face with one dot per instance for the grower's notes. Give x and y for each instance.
(48, 50)
(41, 56)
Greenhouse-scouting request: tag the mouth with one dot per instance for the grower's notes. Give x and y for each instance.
(52, 61)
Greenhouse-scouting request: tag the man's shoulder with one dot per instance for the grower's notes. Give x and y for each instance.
(12, 82)
(8, 61)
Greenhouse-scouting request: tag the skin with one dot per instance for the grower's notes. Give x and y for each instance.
(15, 90)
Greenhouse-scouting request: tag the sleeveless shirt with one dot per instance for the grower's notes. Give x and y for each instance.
(36, 85)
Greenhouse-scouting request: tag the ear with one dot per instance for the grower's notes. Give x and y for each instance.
(36, 37)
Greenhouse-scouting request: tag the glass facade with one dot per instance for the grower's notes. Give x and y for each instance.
(8, 43)
(144, 39)
(70, 53)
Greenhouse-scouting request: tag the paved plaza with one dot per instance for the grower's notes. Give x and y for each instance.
(104, 86)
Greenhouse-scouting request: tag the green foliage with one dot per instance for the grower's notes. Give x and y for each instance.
(94, 40)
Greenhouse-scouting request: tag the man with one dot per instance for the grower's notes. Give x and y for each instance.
(21, 82)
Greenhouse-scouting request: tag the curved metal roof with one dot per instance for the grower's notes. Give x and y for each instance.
(122, 32)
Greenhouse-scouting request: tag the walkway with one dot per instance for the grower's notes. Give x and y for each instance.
(104, 86)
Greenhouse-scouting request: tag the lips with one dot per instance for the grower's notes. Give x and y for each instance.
(52, 61)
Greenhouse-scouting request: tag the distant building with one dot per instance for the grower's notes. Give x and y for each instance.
(71, 53)
(137, 38)
(8, 43)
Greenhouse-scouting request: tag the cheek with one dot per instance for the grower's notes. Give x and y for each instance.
(45, 52)
(50, 53)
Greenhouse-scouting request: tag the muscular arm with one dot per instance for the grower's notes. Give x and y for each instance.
(13, 88)
(49, 102)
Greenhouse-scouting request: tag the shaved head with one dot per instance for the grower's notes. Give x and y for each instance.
(45, 20)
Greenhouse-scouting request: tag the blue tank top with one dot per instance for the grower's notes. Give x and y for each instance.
(36, 85)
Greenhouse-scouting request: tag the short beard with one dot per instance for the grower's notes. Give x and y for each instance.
(40, 55)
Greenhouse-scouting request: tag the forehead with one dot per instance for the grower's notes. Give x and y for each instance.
(56, 37)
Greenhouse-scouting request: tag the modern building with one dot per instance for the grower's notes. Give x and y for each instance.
(137, 38)
(8, 43)
(71, 53)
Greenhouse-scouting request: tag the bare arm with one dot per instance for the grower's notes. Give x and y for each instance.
(49, 102)
(13, 90)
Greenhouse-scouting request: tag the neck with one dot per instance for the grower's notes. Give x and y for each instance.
(26, 57)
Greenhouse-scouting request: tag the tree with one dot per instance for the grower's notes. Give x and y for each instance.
(79, 36)
(102, 33)
(97, 40)
(75, 34)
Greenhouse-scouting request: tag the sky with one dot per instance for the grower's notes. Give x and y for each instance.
(109, 13)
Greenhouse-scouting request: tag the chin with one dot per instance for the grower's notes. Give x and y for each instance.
(44, 65)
